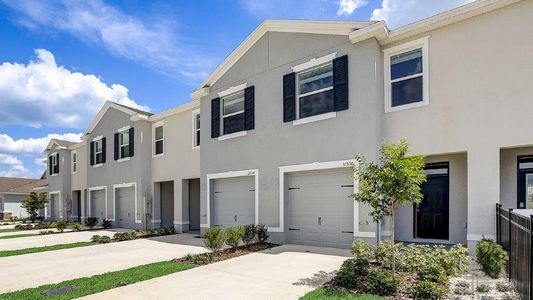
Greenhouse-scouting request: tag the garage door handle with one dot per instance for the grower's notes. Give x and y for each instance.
(294, 229)
(346, 231)
(293, 188)
(347, 185)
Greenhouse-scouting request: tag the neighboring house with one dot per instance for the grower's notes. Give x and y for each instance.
(12, 192)
(285, 113)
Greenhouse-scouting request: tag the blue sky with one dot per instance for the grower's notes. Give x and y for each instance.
(60, 60)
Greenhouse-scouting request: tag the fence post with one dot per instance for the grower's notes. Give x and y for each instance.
(510, 244)
(530, 257)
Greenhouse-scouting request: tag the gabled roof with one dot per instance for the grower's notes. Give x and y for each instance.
(295, 26)
(61, 143)
(12, 185)
(175, 110)
(123, 108)
(28, 187)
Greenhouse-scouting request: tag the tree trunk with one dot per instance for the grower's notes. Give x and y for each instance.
(393, 245)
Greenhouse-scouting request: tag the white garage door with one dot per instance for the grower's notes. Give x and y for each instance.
(98, 204)
(125, 207)
(234, 201)
(54, 206)
(319, 208)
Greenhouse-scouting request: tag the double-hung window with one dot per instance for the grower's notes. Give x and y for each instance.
(124, 144)
(196, 129)
(98, 152)
(406, 75)
(74, 162)
(315, 91)
(233, 113)
(158, 139)
(54, 163)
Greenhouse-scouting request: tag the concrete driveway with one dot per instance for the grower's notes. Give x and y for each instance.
(285, 272)
(32, 270)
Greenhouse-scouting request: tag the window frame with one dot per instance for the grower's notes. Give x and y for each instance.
(297, 87)
(422, 43)
(74, 161)
(154, 140)
(96, 142)
(195, 140)
(124, 131)
(54, 163)
(222, 116)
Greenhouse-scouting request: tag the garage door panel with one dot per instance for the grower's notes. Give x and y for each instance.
(234, 201)
(125, 207)
(98, 204)
(320, 208)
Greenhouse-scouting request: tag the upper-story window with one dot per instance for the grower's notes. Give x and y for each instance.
(54, 163)
(99, 152)
(406, 75)
(196, 128)
(74, 161)
(124, 144)
(159, 138)
(233, 113)
(316, 90)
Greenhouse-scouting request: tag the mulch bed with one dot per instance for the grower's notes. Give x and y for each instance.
(236, 252)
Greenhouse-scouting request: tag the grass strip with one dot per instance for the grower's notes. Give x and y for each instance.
(17, 236)
(325, 294)
(6, 253)
(99, 283)
(7, 230)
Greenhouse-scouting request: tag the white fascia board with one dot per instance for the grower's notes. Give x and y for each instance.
(231, 90)
(313, 62)
(194, 104)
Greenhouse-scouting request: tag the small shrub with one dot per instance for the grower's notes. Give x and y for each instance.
(382, 282)
(432, 272)
(262, 233)
(350, 271)
(61, 225)
(100, 239)
(383, 254)
(483, 288)
(214, 239)
(427, 290)
(76, 226)
(250, 234)
(233, 236)
(169, 231)
(486, 297)
(43, 225)
(106, 223)
(200, 259)
(23, 227)
(491, 257)
(503, 287)
(363, 250)
(509, 297)
(456, 260)
(463, 284)
(461, 290)
(123, 236)
(91, 222)
(45, 232)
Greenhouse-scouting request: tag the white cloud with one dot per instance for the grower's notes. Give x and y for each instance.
(41, 93)
(347, 7)
(152, 44)
(15, 167)
(290, 9)
(401, 12)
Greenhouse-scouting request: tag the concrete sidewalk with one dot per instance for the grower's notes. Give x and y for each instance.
(32, 270)
(285, 272)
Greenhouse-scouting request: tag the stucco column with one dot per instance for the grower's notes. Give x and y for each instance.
(180, 195)
(483, 193)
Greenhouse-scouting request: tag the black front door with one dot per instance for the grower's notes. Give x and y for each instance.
(525, 182)
(432, 215)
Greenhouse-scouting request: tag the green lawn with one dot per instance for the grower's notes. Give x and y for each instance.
(8, 230)
(324, 294)
(98, 283)
(43, 249)
(17, 236)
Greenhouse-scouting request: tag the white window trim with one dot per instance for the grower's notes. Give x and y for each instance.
(123, 159)
(222, 116)
(313, 62)
(54, 159)
(58, 193)
(120, 132)
(232, 90)
(154, 126)
(387, 54)
(194, 129)
(312, 167)
(124, 185)
(124, 129)
(96, 154)
(74, 163)
(315, 118)
(231, 174)
(232, 135)
(97, 138)
(97, 188)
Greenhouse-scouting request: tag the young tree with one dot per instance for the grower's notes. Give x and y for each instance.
(34, 203)
(393, 182)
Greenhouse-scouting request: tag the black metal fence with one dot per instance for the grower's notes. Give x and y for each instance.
(513, 232)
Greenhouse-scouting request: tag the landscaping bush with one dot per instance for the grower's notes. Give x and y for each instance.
(382, 282)
(76, 226)
(262, 233)
(363, 250)
(214, 239)
(503, 287)
(427, 290)
(432, 272)
(61, 225)
(106, 223)
(383, 254)
(200, 259)
(43, 225)
(483, 288)
(168, 230)
(123, 236)
(250, 234)
(45, 232)
(23, 227)
(233, 236)
(100, 239)
(491, 257)
(350, 271)
(91, 222)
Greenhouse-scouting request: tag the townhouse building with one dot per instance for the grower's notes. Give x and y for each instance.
(284, 115)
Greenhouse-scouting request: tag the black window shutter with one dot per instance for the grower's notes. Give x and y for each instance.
(215, 118)
(91, 159)
(132, 141)
(50, 165)
(289, 97)
(116, 146)
(340, 83)
(57, 164)
(103, 150)
(249, 104)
